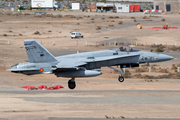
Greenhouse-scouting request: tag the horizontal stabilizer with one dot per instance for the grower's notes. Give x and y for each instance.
(21, 69)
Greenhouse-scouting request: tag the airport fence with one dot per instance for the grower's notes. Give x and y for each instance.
(106, 43)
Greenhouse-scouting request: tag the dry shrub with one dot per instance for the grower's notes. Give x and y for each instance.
(120, 44)
(143, 69)
(138, 75)
(37, 33)
(163, 20)
(174, 48)
(18, 14)
(111, 25)
(178, 76)
(122, 117)
(27, 14)
(161, 46)
(145, 17)
(38, 16)
(159, 50)
(49, 15)
(58, 16)
(120, 23)
(127, 74)
(111, 17)
(149, 80)
(98, 28)
(9, 13)
(69, 16)
(102, 44)
(174, 67)
(92, 19)
(153, 77)
(4, 34)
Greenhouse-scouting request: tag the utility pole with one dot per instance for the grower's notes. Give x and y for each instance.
(9, 5)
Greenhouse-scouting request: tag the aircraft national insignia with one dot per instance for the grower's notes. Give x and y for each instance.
(41, 70)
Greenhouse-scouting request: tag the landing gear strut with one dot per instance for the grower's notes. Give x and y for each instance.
(120, 78)
(72, 83)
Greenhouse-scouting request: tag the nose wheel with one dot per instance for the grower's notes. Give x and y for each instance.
(71, 83)
(121, 79)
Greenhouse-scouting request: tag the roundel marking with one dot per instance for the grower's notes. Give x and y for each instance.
(41, 69)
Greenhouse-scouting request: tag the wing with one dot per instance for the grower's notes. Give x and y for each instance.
(97, 62)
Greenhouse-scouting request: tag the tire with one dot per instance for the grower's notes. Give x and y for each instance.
(81, 36)
(71, 37)
(121, 79)
(71, 84)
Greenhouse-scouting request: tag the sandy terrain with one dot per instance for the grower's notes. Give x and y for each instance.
(142, 103)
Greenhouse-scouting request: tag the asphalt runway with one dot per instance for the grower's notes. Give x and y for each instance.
(120, 97)
(52, 118)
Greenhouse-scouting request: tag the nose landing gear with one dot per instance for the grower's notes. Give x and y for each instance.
(120, 78)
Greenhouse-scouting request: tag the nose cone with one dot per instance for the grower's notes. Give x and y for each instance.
(163, 57)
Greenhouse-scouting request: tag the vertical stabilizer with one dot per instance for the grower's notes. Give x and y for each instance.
(37, 53)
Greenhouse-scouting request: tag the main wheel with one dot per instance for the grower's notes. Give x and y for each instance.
(121, 79)
(71, 84)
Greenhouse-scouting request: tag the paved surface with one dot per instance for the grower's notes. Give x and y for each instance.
(121, 97)
(52, 118)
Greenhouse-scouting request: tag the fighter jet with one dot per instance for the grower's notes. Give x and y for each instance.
(87, 64)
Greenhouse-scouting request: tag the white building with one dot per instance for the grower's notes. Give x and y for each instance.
(75, 6)
(122, 8)
(131, 0)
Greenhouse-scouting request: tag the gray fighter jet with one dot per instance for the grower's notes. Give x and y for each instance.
(87, 64)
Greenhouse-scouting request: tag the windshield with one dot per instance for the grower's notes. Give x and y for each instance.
(125, 49)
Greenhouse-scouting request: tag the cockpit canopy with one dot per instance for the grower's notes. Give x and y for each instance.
(125, 49)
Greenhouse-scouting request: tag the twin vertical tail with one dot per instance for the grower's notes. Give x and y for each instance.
(37, 53)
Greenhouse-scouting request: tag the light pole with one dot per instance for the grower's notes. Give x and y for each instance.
(9, 5)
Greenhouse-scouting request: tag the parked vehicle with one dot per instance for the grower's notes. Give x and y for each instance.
(44, 4)
(76, 35)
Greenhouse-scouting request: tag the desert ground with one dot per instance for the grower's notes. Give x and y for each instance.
(143, 94)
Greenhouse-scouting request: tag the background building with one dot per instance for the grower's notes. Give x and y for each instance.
(168, 5)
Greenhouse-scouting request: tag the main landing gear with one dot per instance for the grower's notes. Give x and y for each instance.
(72, 83)
(120, 78)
